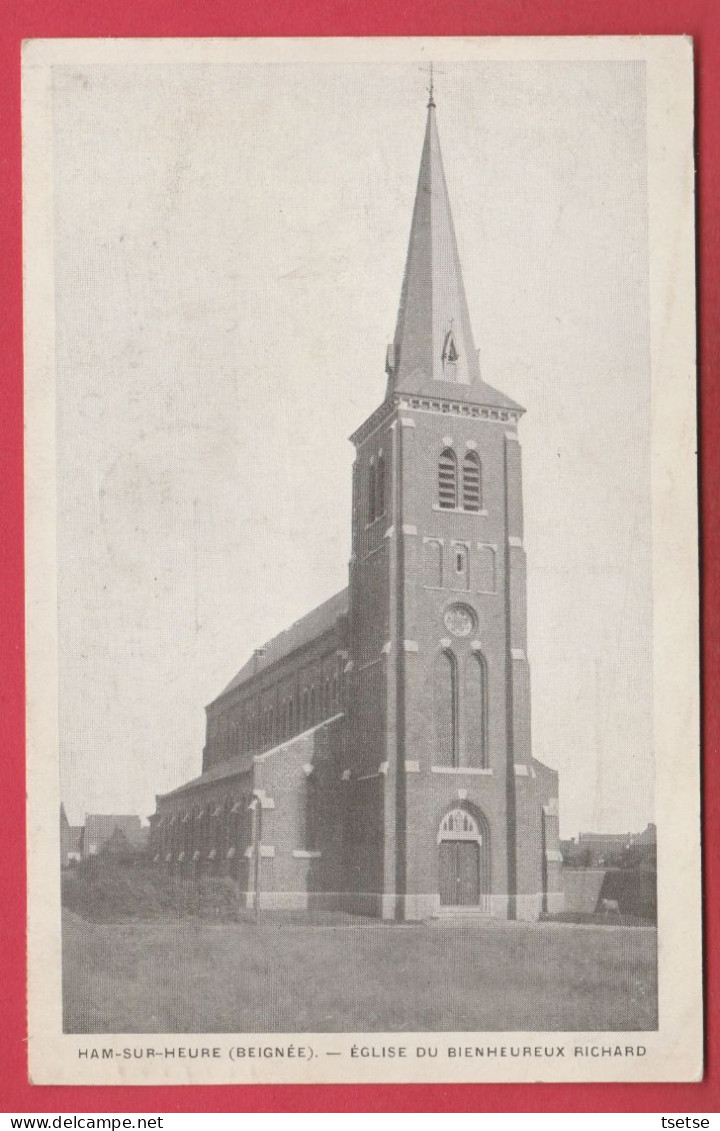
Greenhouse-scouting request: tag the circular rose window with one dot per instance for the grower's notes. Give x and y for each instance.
(460, 620)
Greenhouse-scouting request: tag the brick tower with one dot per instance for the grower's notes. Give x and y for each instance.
(447, 812)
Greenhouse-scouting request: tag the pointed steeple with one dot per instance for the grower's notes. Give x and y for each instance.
(433, 348)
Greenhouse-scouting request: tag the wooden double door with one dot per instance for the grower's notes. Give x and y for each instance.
(460, 873)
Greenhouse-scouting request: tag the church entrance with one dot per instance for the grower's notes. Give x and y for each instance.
(464, 861)
(459, 873)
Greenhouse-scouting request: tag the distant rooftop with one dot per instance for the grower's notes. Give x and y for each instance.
(99, 827)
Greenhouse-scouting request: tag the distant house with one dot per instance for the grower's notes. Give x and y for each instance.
(611, 850)
(573, 855)
(115, 833)
(642, 853)
(647, 838)
(71, 837)
(604, 849)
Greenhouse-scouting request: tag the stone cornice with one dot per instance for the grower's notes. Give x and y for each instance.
(441, 405)
(374, 421)
(448, 407)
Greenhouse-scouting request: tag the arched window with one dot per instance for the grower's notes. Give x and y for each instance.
(459, 824)
(335, 687)
(305, 705)
(215, 830)
(447, 480)
(372, 515)
(192, 827)
(222, 836)
(175, 833)
(472, 482)
(207, 829)
(446, 710)
(380, 487)
(476, 711)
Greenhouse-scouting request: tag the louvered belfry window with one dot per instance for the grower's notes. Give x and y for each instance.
(447, 480)
(472, 482)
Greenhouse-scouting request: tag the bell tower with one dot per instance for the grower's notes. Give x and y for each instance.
(447, 811)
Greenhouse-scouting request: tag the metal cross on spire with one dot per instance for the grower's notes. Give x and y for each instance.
(432, 71)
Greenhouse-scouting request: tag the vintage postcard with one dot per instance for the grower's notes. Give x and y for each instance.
(362, 602)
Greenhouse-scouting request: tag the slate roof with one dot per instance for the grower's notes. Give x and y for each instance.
(302, 632)
(230, 769)
(241, 764)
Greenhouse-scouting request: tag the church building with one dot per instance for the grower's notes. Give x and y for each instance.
(376, 756)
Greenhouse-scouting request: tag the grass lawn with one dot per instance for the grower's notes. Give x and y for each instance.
(189, 976)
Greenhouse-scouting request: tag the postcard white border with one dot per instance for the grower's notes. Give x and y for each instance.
(674, 1052)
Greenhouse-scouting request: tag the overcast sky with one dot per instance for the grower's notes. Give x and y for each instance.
(229, 245)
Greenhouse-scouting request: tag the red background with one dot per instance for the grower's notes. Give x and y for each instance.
(53, 18)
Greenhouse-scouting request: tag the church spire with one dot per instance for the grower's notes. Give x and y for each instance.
(433, 346)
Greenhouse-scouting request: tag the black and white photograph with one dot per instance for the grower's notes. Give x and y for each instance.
(361, 560)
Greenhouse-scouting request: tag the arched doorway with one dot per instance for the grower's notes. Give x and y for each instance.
(464, 860)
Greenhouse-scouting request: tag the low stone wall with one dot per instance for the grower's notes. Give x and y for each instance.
(634, 891)
(582, 887)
